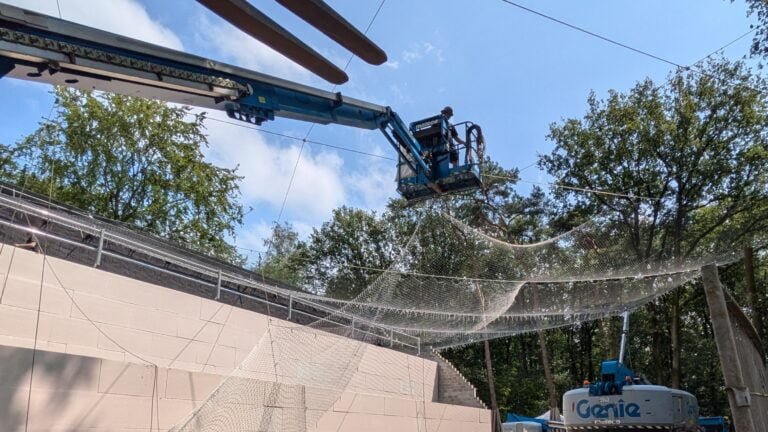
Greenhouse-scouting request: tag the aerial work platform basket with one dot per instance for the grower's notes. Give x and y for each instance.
(454, 166)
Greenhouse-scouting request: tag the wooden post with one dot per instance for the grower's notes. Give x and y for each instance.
(738, 394)
(554, 410)
(754, 298)
(495, 414)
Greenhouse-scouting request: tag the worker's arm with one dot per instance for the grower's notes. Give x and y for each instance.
(455, 135)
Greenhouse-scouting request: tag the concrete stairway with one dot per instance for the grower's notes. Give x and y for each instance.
(452, 388)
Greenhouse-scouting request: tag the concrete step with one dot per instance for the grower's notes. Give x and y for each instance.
(452, 387)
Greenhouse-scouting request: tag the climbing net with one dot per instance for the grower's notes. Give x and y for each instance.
(449, 284)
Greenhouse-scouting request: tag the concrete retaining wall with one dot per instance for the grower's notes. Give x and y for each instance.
(452, 387)
(129, 355)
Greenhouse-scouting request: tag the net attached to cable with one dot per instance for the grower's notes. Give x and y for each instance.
(453, 284)
(449, 285)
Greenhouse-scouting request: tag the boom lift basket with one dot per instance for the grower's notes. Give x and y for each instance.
(454, 167)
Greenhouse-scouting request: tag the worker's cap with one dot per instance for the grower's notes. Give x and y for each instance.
(447, 111)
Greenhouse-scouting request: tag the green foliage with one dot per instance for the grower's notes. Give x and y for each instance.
(696, 146)
(132, 160)
(691, 156)
(692, 152)
(759, 8)
(285, 257)
(345, 252)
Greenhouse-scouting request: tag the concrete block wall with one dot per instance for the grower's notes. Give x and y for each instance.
(82, 349)
(452, 387)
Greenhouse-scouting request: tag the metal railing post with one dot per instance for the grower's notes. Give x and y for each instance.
(99, 249)
(290, 306)
(353, 326)
(418, 346)
(218, 286)
(391, 338)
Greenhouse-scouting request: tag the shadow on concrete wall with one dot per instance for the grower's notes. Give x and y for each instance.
(51, 370)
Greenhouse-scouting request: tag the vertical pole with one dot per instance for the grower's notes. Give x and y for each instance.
(99, 249)
(554, 406)
(290, 306)
(418, 346)
(738, 394)
(218, 286)
(391, 338)
(753, 296)
(496, 415)
(624, 331)
(353, 326)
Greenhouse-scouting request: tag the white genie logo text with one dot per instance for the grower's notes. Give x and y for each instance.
(600, 411)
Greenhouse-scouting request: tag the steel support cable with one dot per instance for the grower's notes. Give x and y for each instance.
(308, 141)
(347, 149)
(593, 34)
(691, 67)
(745, 34)
(312, 126)
(45, 263)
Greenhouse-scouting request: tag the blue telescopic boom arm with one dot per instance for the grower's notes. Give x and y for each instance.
(46, 49)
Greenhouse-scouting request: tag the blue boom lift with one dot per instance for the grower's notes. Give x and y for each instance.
(45, 49)
(622, 401)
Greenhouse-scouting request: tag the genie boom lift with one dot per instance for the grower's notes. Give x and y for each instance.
(622, 401)
(45, 49)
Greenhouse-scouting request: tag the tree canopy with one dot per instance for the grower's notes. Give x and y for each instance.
(689, 156)
(685, 165)
(690, 160)
(759, 8)
(132, 160)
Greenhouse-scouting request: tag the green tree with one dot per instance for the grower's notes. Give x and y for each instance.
(759, 8)
(285, 257)
(132, 160)
(690, 157)
(344, 253)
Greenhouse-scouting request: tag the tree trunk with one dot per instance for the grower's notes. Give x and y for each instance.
(553, 399)
(495, 415)
(612, 330)
(554, 412)
(674, 335)
(754, 298)
(587, 330)
(654, 363)
(574, 365)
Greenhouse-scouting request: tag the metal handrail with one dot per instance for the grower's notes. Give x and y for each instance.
(101, 230)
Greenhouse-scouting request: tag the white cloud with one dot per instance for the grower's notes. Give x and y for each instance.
(392, 64)
(251, 238)
(375, 186)
(410, 56)
(322, 182)
(124, 17)
(267, 166)
(234, 46)
(422, 50)
(402, 96)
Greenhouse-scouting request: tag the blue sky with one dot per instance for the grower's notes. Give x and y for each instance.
(512, 72)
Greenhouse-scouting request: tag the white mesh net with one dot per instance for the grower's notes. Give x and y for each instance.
(449, 285)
